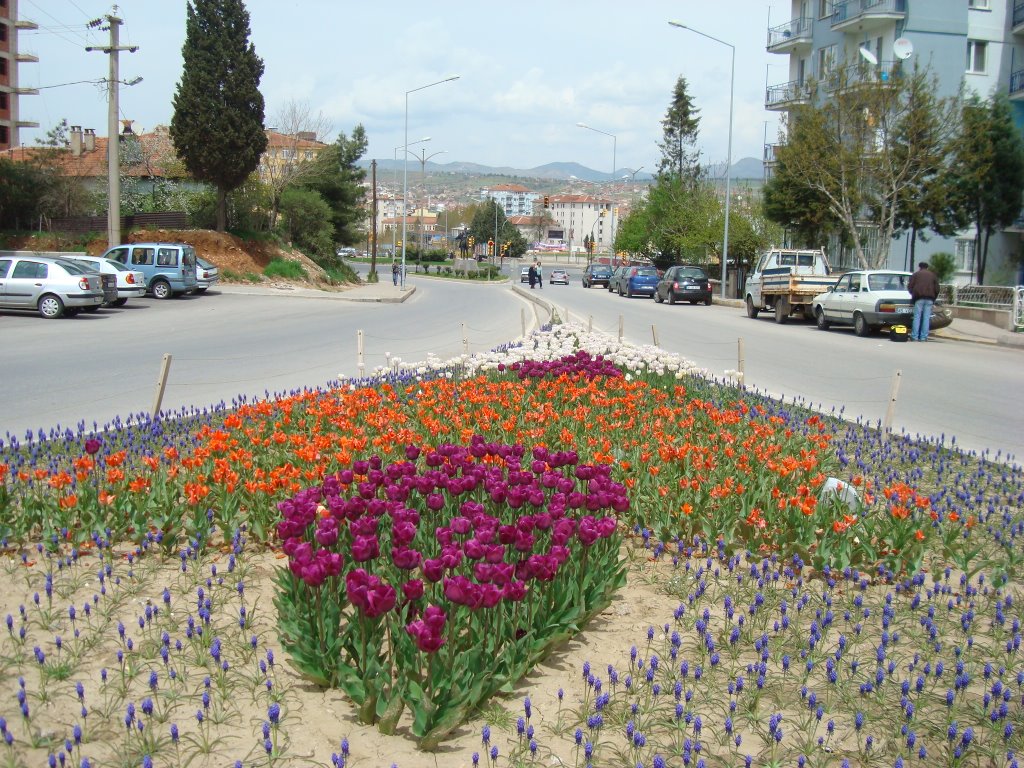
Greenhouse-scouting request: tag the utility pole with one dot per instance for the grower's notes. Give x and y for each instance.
(113, 135)
(373, 245)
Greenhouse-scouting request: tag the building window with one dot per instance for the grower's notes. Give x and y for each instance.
(4, 101)
(979, 5)
(824, 8)
(976, 50)
(965, 255)
(826, 60)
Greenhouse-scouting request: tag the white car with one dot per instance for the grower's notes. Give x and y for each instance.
(207, 274)
(558, 276)
(130, 283)
(870, 299)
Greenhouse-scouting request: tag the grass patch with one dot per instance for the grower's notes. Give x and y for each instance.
(240, 277)
(283, 268)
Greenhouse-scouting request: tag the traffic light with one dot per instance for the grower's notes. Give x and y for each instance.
(490, 247)
(546, 202)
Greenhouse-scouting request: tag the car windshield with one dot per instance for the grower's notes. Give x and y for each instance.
(888, 281)
(117, 265)
(645, 272)
(205, 264)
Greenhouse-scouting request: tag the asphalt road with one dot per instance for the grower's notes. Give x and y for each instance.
(92, 368)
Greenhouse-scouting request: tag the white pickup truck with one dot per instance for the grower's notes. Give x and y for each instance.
(785, 280)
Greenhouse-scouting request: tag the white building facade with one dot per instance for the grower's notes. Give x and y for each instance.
(514, 199)
(580, 216)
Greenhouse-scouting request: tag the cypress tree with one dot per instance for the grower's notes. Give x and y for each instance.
(217, 128)
(679, 155)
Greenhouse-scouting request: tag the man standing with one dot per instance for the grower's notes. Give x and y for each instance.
(924, 290)
(395, 272)
(540, 276)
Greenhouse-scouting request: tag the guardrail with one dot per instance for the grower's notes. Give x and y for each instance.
(1007, 298)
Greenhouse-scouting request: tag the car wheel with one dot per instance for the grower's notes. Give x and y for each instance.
(200, 290)
(162, 289)
(50, 306)
(822, 321)
(119, 302)
(860, 325)
(671, 298)
(629, 292)
(707, 301)
(751, 309)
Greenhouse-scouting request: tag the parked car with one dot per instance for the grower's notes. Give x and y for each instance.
(129, 283)
(207, 274)
(633, 281)
(524, 275)
(596, 274)
(51, 287)
(558, 276)
(683, 283)
(869, 300)
(170, 268)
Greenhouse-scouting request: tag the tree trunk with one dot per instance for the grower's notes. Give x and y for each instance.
(222, 209)
(982, 257)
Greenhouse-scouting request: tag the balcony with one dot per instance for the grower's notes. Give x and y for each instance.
(867, 15)
(862, 74)
(787, 95)
(771, 154)
(27, 58)
(1017, 85)
(1018, 17)
(792, 36)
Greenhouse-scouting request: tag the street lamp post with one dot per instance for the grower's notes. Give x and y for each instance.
(405, 171)
(394, 228)
(423, 157)
(728, 158)
(611, 224)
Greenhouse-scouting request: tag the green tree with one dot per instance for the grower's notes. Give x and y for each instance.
(988, 172)
(859, 152)
(338, 179)
(217, 128)
(679, 154)
(306, 222)
(488, 218)
(798, 208)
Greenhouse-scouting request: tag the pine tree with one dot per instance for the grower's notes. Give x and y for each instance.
(217, 128)
(679, 155)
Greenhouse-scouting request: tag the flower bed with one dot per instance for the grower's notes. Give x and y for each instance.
(776, 578)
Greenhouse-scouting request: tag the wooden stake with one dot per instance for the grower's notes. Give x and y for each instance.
(654, 334)
(890, 411)
(161, 385)
(360, 363)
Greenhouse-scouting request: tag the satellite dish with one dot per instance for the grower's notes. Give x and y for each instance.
(902, 48)
(868, 56)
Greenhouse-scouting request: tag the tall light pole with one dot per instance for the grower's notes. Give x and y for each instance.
(405, 171)
(423, 157)
(611, 225)
(728, 158)
(394, 229)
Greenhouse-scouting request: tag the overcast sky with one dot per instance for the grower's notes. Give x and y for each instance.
(529, 72)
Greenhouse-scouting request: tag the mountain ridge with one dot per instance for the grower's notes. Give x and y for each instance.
(745, 168)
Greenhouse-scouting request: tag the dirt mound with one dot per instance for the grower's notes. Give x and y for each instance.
(240, 259)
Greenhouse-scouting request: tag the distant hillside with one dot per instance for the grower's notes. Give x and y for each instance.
(745, 168)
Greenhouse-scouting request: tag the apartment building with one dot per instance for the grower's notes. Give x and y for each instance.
(579, 216)
(977, 45)
(10, 58)
(514, 199)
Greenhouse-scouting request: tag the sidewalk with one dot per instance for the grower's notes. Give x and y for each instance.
(380, 293)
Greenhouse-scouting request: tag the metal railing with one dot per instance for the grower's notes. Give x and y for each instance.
(862, 73)
(792, 30)
(1016, 82)
(787, 93)
(851, 9)
(1008, 298)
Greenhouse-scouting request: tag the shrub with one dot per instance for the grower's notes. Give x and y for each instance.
(944, 265)
(306, 222)
(289, 270)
